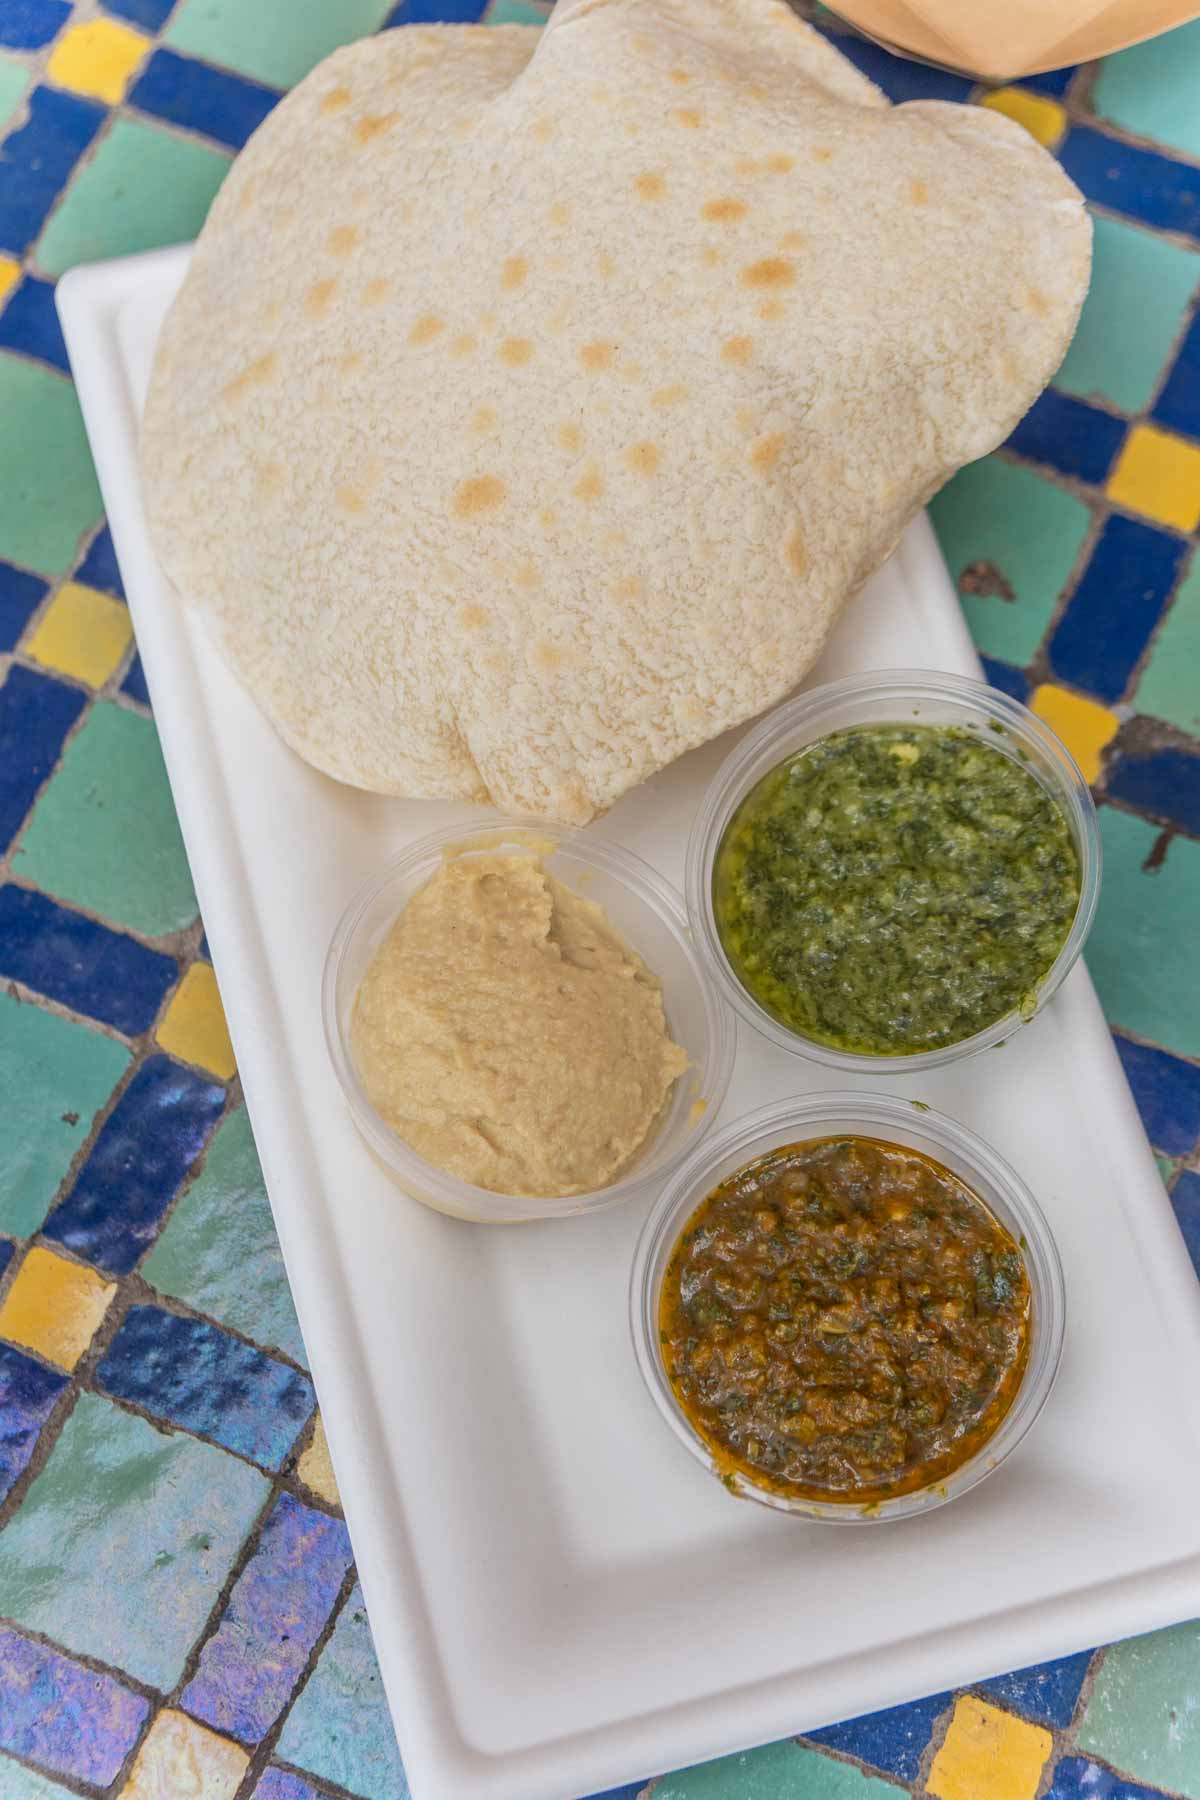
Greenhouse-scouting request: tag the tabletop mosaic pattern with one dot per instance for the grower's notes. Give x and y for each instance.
(179, 1614)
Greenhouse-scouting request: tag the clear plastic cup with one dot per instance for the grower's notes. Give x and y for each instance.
(647, 913)
(914, 1127)
(893, 697)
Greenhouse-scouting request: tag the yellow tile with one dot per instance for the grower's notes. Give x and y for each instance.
(54, 1307)
(194, 1028)
(97, 58)
(1084, 726)
(988, 1755)
(1043, 119)
(1158, 474)
(315, 1469)
(10, 271)
(181, 1760)
(82, 633)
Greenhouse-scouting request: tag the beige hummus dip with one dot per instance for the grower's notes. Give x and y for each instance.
(509, 1035)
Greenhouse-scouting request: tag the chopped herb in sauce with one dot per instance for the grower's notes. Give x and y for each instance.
(844, 1320)
(896, 888)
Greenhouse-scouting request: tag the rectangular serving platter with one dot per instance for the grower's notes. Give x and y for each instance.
(561, 1599)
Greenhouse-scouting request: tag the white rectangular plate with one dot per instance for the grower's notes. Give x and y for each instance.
(561, 1599)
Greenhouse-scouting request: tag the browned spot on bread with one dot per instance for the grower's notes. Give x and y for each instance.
(463, 344)
(543, 130)
(484, 418)
(549, 516)
(772, 309)
(1009, 367)
(471, 617)
(710, 256)
(377, 289)
(336, 99)
(669, 396)
(372, 125)
(516, 352)
(426, 329)
(771, 272)
(821, 153)
(918, 192)
(606, 265)
(527, 576)
(255, 374)
(723, 212)
(513, 273)
(793, 240)
(570, 436)
(544, 657)
(352, 361)
(748, 165)
(597, 355)
(630, 587)
(737, 349)
(319, 297)
(247, 194)
(680, 76)
(590, 485)
(795, 555)
(342, 240)
(747, 419)
(643, 457)
(350, 500)
(650, 186)
(1037, 303)
(780, 163)
(478, 494)
(560, 213)
(270, 478)
(767, 451)
(689, 116)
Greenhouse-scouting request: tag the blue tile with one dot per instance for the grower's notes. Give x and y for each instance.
(223, 106)
(1185, 1198)
(436, 12)
(6, 1252)
(281, 1784)
(99, 568)
(1076, 1778)
(36, 714)
(1140, 183)
(1002, 675)
(195, 1375)
(279, 1607)
(29, 323)
(1046, 1693)
(100, 973)
(629, 1792)
(143, 1152)
(151, 14)
(134, 683)
(36, 160)
(27, 1396)
(899, 78)
(62, 1715)
(1164, 782)
(1178, 405)
(1167, 1091)
(1070, 436)
(1120, 598)
(28, 24)
(893, 1740)
(1051, 81)
(20, 593)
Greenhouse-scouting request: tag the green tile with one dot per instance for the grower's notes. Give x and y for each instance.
(1166, 1167)
(55, 1076)
(1142, 949)
(124, 1540)
(104, 833)
(274, 41)
(1170, 683)
(48, 491)
(1154, 89)
(17, 1783)
(1027, 533)
(218, 1250)
(340, 1728)
(14, 79)
(142, 188)
(1144, 1713)
(1141, 284)
(515, 12)
(784, 1771)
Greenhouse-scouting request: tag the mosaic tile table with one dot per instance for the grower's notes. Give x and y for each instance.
(178, 1609)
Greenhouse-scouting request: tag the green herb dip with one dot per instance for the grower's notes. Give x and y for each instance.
(896, 888)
